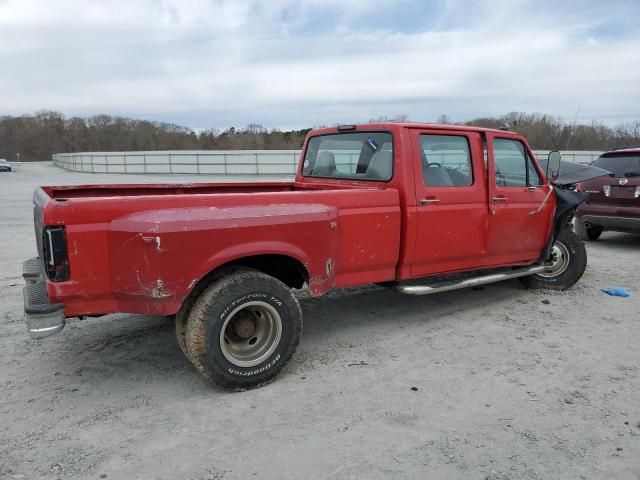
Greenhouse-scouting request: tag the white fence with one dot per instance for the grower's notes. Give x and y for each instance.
(193, 162)
(215, 162)
(575, 156)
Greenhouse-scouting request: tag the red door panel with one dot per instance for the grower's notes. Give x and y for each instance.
(452, 216)
(515, 233)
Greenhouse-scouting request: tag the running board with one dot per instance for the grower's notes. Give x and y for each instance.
(469, 282)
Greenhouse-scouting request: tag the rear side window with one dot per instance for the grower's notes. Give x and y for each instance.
(621, 165)
(514, 168)
(446, 161)
(356, 156)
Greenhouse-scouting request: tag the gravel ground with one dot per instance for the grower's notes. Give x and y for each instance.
(494, 383)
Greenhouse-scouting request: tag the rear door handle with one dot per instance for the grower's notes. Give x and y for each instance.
(531, 189)
(498, 199)
(428, 201)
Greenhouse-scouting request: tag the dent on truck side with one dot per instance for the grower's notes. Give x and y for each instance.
(162, 254)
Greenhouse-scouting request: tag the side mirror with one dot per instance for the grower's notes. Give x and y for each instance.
(553, 165)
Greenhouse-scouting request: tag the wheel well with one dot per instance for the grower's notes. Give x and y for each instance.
(286, 269)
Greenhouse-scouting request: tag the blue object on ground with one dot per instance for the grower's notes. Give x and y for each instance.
(616, 292)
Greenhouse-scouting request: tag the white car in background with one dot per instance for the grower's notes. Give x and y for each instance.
(4, 165)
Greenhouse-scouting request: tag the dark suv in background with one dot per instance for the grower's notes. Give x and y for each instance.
(613, 202)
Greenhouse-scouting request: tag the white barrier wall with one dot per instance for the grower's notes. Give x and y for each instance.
(215, 162)
(575, 156)
(193, 162)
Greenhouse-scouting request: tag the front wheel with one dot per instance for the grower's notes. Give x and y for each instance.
(243, 329)
(564, 268)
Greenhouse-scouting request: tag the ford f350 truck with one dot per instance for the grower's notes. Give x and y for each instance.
(419, 208)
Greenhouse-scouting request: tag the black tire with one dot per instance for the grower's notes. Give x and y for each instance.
(181, 331)
(570, 247)
(585, 233)
(183, 314)
(262, 323)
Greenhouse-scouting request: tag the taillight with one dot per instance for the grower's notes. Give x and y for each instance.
(54, 246)
(607, 190)
(637, 194)
(579, 187)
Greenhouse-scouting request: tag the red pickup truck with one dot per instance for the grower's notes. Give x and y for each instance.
(417, 207)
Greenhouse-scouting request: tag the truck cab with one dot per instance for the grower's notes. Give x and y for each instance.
(465, 193)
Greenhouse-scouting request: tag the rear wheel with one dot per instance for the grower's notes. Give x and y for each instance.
(243, 329)
(564, 268)
(181, 331)
(183, 314)
(588, 233)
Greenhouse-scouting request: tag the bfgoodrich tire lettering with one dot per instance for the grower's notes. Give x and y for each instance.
(243, 329)
(562, 277)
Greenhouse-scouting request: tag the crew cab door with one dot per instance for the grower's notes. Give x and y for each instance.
(451, 196)
(516, 190)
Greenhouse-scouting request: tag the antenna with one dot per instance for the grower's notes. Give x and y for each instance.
(575, 121)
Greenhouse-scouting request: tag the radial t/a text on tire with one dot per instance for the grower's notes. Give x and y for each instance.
(243, 329)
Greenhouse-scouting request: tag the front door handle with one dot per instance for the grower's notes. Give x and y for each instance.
(498, 199)
(428, 201)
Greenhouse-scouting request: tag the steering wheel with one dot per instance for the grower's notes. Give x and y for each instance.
(434, 164)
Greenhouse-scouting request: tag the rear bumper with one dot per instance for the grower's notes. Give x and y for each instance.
(42, 317)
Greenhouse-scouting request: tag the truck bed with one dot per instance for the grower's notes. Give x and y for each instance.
(142, 248)
(172, 189)
(133, 190)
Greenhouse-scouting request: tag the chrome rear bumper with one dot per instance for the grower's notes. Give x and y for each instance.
(43, 318)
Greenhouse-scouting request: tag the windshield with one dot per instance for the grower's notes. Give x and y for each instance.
(620, 164)
(356, 156)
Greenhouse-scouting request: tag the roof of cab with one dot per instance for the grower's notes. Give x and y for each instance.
(400, 125)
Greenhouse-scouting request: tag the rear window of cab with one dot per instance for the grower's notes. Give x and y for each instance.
(352, 156)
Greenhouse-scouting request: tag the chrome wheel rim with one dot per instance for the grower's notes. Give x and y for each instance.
(250, 334)
(558, 263)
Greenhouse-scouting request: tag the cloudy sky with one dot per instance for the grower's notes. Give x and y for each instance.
(281, 63)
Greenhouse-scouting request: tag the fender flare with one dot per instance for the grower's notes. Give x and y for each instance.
(250, 249)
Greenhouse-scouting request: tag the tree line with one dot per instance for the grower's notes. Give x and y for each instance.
(38, 136)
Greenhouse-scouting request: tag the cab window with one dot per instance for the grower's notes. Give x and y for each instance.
(513, 167)
(354, 156)
(533, 175)
(446, 161)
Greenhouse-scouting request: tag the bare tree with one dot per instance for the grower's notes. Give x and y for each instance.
(37, 136)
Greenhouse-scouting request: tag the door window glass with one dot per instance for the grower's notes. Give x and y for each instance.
(533, 178)
(514, 168)
(446, 161)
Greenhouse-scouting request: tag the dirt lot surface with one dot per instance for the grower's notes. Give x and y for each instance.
(495, 383)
